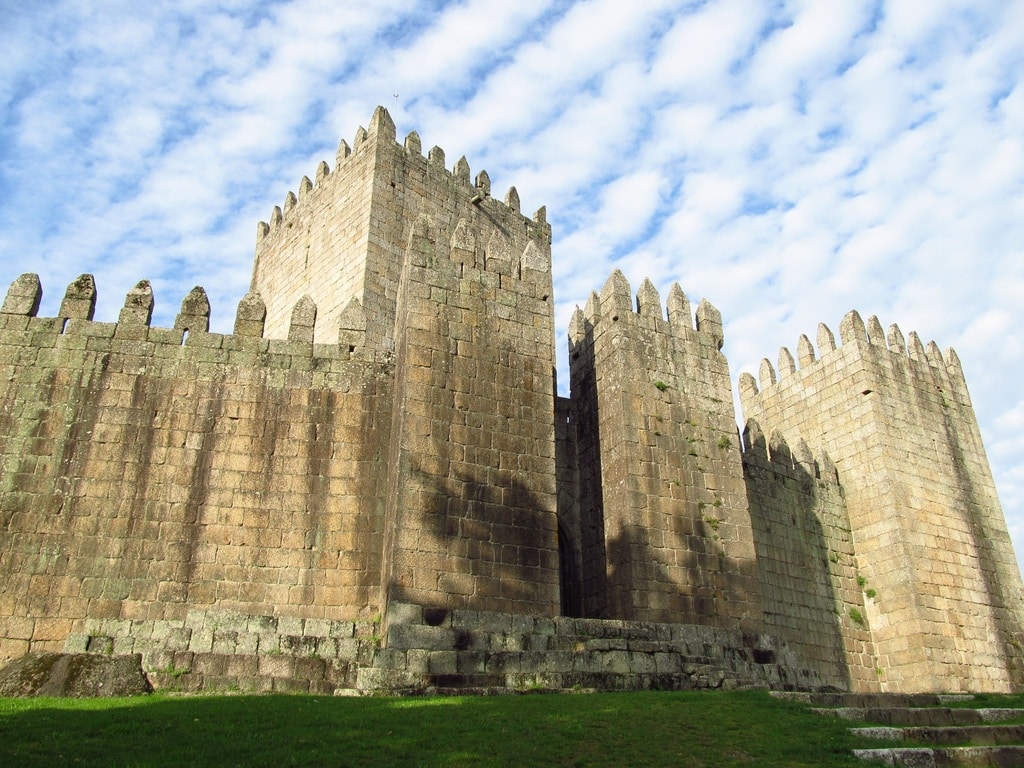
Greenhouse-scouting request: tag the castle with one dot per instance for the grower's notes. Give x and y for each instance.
(373, 477)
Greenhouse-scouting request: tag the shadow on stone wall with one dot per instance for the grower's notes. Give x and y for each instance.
(701, 584)
(567, 478)
(1007, 619)
(479, 545)
(590, 531)
(795, 552)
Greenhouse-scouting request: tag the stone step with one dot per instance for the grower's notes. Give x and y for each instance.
(201, 683)
(921, 716)
(574, 669)
(924, 757)
(873, 700)
(977, 735)
(627, 655)
(925, 718)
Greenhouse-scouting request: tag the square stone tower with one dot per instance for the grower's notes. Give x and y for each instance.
(664, 522)
(422, 262)
(341, 238)
(932, 549)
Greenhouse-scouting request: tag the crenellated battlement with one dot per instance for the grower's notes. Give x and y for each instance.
(616, 304)
(480, 256)
(926, 365)
(190, 332)
(345, 234)
(797, 461)
(382, 134)
(382, 128)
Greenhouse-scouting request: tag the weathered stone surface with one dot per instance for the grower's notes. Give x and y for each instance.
(675, 518)
(23, 296)
(900, 521)
(373, 473)
(77, 675)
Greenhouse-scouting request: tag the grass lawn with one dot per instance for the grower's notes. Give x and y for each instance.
(703, 728)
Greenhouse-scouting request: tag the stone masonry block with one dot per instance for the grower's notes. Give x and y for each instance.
(423, 637)
(310, 669)
(276, 666)
(442, 663)
(77, 643)
(404, 613)
(176, 638)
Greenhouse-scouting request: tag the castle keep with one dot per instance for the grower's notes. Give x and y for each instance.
(372, 483)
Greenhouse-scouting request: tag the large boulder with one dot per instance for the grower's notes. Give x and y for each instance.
(76, 675)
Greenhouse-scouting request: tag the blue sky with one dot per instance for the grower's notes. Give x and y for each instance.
(789, 161)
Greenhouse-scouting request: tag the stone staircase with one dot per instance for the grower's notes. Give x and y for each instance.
(950, 736)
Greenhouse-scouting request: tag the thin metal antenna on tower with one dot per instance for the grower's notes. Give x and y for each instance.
(396, 102)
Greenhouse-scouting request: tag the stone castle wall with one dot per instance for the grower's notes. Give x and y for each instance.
(806, 559)
(929, 534)
(143, 475)
(381, 431)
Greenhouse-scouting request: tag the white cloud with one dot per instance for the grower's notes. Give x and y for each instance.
(694, 58)
(807, 50)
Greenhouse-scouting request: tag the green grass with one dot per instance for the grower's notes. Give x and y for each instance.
(706, 728)
(982, 700)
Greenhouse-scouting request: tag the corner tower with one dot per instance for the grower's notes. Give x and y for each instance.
(931, 543)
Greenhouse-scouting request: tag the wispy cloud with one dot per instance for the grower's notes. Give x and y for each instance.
(788, 161)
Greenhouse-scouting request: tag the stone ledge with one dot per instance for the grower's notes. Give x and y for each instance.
(923, 757)
(437, 650)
